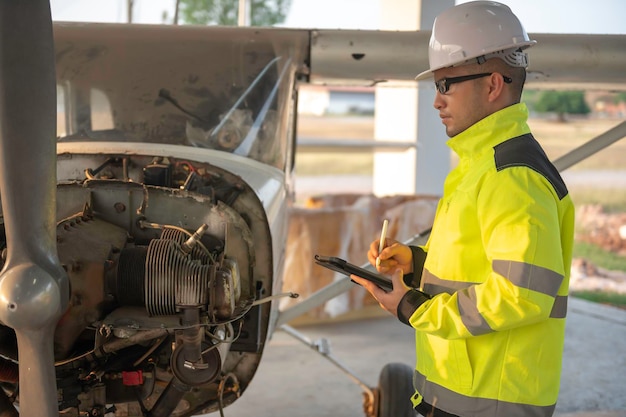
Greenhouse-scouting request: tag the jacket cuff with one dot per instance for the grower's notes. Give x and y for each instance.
(410, 303)
(419, 258)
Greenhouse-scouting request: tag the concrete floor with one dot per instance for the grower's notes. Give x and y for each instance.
(294, 381)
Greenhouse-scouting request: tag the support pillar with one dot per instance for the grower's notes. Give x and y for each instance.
(404, 112)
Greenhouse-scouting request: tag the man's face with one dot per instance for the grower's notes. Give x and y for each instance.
(464, 102)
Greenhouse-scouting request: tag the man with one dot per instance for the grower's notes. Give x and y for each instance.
(489, 314)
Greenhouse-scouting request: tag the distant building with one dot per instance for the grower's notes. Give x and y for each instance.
(605, 104)
(324, 100)
(313, 100)
(610, 108)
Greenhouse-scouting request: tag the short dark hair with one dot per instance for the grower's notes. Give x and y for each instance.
(517, 74)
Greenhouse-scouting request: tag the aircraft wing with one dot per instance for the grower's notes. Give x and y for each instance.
(559, 61)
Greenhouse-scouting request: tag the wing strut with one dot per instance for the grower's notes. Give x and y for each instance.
(589, 148)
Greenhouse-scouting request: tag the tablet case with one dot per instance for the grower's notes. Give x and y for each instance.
(346, 268)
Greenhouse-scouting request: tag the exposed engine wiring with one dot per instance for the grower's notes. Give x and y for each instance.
(141, 210)
(154, 347)
(159, 341)
(91, 173)
(221, 388)
(116, 345)
(75, 358)
(150, 225)
(225, 340)
(274, 297)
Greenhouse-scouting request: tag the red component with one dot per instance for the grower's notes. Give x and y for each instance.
(132, 378)
(9, 371)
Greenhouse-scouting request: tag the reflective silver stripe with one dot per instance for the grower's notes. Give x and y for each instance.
(559, 309)
(521, 274)
(433, 285)
(529, 276)
(455, 403)
(470, 316)
(476, 323)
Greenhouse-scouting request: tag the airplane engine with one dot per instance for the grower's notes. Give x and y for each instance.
(163, 279)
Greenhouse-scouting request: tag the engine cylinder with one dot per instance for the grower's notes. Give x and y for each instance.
(173, 279)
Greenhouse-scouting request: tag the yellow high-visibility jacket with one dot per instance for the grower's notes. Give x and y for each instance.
(490, 340)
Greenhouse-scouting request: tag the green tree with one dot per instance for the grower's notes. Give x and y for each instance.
(562, 103)
(224, 12)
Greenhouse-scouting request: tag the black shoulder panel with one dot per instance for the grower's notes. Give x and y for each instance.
(525, 151)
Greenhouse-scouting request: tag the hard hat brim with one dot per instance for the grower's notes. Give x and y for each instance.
(424, 75)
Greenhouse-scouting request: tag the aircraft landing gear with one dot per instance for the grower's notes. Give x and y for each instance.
(391, 398)
(395, 388)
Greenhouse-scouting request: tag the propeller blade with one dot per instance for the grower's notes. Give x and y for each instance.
(34, 288)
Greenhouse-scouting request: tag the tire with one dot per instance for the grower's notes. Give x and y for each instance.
(395, 388)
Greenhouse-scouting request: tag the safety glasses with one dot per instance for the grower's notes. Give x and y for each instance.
(443, 85)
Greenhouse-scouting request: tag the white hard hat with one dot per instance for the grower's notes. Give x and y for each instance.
(477, 31)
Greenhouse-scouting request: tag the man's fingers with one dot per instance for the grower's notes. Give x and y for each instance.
(368, 285)
(397, 279)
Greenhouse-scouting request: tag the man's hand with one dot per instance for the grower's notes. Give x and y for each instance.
(387, 300)
(395, 255)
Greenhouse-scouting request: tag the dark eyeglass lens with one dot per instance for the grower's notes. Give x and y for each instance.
(442, 86)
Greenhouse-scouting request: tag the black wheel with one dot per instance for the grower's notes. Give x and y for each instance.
(395, 388)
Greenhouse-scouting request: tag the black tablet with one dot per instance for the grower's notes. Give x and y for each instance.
(346, 268)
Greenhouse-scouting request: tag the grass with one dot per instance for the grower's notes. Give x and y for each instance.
(313, 164)
(560, 138)
(613, 200)
(599, 256)
(606, 260)
(610, 298)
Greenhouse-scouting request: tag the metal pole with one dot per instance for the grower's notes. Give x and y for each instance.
(243, 17)
(176, 10)
(323, 348)
(129, 10)
(594, 145)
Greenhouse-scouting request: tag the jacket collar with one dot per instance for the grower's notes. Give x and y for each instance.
(483, 135)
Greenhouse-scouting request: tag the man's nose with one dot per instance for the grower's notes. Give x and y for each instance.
(438, 103)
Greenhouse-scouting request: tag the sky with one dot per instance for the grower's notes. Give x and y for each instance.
(538, 16)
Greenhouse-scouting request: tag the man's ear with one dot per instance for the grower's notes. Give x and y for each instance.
(496, 86)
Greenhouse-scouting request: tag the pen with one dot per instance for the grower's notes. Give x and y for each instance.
(383, 237)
